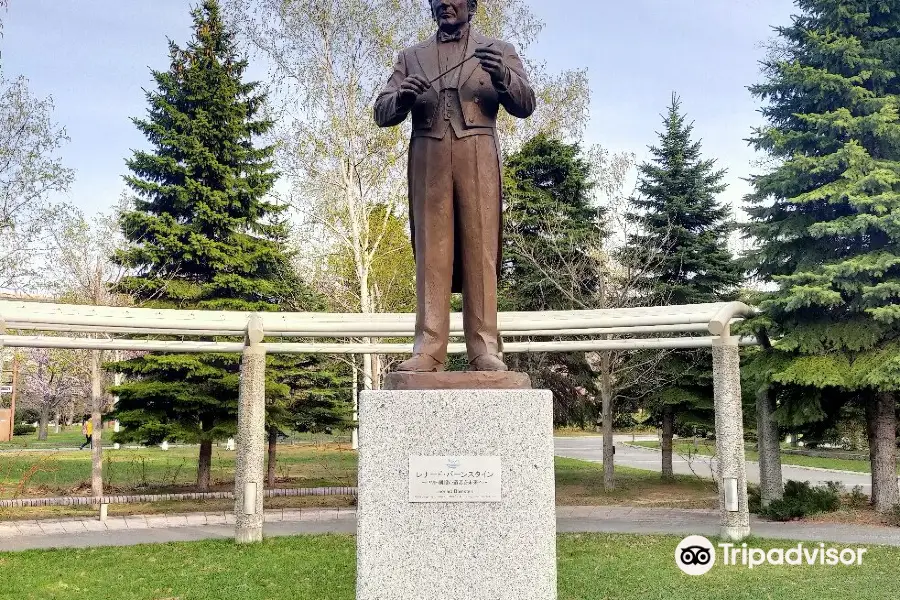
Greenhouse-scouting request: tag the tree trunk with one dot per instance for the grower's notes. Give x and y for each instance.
(367, 367)
(376, 371)
(881, 414)
(769, 446)
(43, 421)
(668, 431)
(97, 418)
(609, 449)
(354, 435)
(365, 307)
(273, 445)
(204, 465)
(873, 447)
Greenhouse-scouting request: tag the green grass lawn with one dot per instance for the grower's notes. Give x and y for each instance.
(68, 437)
(24, 474)
(578, 483)
(708, 448)
(591, 567)
(151, 469)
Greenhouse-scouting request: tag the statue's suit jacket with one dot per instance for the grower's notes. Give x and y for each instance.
(474, 110)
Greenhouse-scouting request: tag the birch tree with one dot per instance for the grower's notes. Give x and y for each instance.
(31, 175)
(81, 271)
(566, 236)
(619, 376)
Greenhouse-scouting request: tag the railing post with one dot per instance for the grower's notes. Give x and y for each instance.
(7, 435)
(732, 466)
(97, 428)
(250, 458)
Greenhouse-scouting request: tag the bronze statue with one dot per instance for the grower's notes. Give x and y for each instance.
(454, 84)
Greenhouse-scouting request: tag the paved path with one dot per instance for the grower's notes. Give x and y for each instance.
(591, 449)
(126, 531)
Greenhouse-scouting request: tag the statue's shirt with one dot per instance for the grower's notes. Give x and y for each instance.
(451, 53)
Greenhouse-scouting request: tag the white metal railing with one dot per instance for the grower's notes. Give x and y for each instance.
(15, 341)
(633, 328)
(650, 327)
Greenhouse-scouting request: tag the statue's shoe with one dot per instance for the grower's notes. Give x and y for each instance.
(421, 363)
(487, 362)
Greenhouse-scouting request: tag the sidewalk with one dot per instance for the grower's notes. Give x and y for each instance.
(126, 531)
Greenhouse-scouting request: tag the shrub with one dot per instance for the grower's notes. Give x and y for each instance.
(802, 499)
(754, 498)
(894, 516)
(856, 498)
(23, 429)
(27, 415)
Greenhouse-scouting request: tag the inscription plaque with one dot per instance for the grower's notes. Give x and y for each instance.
(454, 479)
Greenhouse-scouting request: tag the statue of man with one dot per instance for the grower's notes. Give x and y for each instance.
(454, 84)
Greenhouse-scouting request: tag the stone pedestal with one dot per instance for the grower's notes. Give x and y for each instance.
(458, 380)
(410, 548)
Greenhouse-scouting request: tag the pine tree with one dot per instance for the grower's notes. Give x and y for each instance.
(319, 400)
(677, 215)
(320, 390)
(202, 235)
(551, 224)
(825, 217)
(550, 213)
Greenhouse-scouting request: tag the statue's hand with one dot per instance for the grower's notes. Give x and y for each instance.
(492, 62)
(410, 89)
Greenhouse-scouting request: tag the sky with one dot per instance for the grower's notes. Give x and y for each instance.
(94, 57)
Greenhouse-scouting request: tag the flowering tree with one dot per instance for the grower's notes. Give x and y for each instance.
(31, 172)
(53, 378)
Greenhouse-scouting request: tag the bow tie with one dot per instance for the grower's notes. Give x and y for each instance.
(443, 36)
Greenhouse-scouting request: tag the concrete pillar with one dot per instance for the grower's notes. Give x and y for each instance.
(97, 419)
(732, 470)
(6, 428)
(249, 473)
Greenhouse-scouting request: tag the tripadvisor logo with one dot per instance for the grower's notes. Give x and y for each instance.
(696, 555)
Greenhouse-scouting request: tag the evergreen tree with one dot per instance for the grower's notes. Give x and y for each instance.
(550, 214)
(551, 225)
(202, 235)
(678, 217)
(825, 217)
(319, 399)
(320, 396)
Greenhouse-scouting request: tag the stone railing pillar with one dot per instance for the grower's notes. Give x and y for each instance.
(250, 458)
(732, 466)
